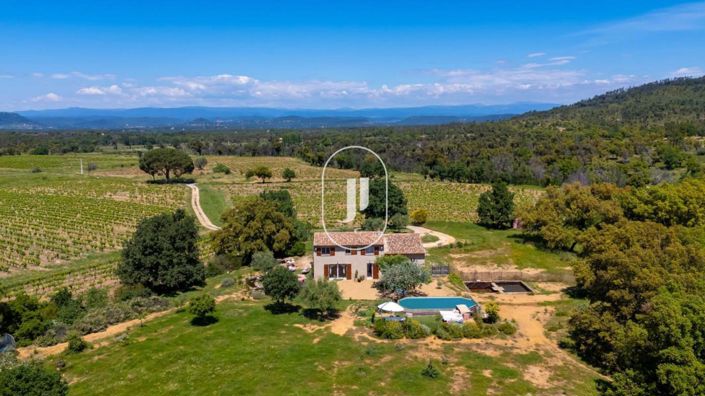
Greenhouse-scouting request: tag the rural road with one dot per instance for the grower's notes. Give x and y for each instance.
(196, 204)
(443, 239)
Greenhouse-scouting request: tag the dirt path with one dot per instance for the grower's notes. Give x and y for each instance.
(200, 214)
(443, 239)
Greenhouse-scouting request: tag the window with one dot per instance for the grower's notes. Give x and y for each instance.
(325, 250)
(370, 267)
(370, 250)
(337, 271)
(347, 252)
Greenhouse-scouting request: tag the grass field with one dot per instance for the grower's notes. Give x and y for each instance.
(492, 248)
(252, 351)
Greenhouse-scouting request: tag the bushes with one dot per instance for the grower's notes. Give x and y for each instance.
(430, 371)
(128, 292)
(506, 328)
(389, 329)
(77, 344)
(227, 282)
(419, 217)
(414, 329)
(221, 168)
(471, 330)
(449, 331)
(31, 379)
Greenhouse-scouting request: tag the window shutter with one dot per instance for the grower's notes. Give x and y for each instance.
(348, 272)
(318, 251)
(332, 251)
(375, 271)
(376, 250)
(325, 271)
(353, 252)
(362, 252)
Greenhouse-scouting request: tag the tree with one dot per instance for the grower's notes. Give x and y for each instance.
(162, 255)
(389, 260)
(252, 226)
(280, 284)
(166, 161)
(321, 296)
(200, 162)
(31, 379)
(262, 172)
(419, 217)
(402, 278)
(398, 221)
(201, 305)
(371, 167)
(496, 207)
(221, 168)
(376, 206)
(288, 174)
(492, 311)
(263, 261)
(282, 200)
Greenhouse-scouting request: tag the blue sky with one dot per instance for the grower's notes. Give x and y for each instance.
(310, 54)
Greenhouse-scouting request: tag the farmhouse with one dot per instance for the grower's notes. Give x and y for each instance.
(331, 261)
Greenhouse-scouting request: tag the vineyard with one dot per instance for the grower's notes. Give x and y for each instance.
(239, 165)
(53, 219)
(445, 201)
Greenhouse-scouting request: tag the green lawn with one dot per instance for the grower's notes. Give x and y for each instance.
(252, 351)
(482, 246)
(214, 203)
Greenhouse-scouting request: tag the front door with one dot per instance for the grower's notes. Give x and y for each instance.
(372, 271)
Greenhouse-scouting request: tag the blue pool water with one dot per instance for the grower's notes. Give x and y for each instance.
(435, 303)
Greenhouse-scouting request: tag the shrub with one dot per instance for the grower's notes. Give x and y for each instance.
(398, 221)
(142, 305)
(201, 305)
(430, 371)
(414, 329)
(506, 328)
(299, 249)
(227, 282)
(492, 311)
(95, 298)
(76, 343)
(471, 330)
(288, 174)
(221, 264)
(449, 331)
(456, 280)
(419, 217)
(36, 170)
(221, 168)
(263, 261)
(281, 284)
(373, 224)
(128, 292)
(32, 379)
(488, 331)
(389, 329)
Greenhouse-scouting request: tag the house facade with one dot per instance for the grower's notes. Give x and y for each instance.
(333, 262)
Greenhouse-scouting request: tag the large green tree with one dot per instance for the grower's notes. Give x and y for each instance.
(321, 296)
(162, 255)
(402, 277)
(281, 284)
(496, 207)
(253, 226)
(376, 207)
(166, 161)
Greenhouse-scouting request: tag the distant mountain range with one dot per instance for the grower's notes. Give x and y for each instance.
(258, 117)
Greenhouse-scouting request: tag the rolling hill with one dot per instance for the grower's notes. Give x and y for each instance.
(651, 104)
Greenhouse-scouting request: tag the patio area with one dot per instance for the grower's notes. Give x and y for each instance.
(351, 289)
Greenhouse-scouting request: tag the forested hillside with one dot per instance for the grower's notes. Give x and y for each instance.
(649, 105)
(584, 142)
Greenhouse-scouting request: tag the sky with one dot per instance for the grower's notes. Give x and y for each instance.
(335, 54)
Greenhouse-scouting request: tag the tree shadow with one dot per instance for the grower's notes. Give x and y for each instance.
(203, 320)
(172, 181)
(278, 308)
(315, 314)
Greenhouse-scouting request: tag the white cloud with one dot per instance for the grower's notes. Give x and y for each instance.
(688, 72)
(6, 76)
(79, 75)
(535, 54)
(50, 97)
(37, 75)
(100, 91)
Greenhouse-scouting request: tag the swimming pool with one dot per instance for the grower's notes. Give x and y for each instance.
(435, 303)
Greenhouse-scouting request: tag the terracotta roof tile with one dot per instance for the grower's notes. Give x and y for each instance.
(403, 244)
(359, 238)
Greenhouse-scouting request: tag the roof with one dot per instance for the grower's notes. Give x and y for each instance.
(359, 238)
(462, 308)
(409, 243)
